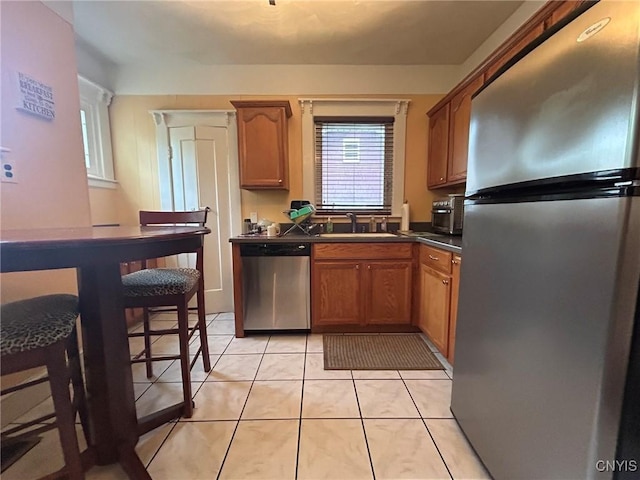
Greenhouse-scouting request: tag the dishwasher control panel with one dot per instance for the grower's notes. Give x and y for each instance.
(275, 250)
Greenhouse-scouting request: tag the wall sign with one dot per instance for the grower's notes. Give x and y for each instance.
(35, 97)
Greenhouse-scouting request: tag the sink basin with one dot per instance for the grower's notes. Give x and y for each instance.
(356, 235)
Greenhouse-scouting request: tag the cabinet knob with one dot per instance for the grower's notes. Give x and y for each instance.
(445, 282)
(435, 259)
(455, 262)
(357, 267)
(368, 267)
(441, 179)
(280, 181)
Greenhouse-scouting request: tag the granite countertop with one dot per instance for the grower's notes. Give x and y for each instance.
(445, 242)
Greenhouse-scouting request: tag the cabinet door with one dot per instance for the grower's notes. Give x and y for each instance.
(262, 143)
(531, 35)
(459, 131)
(435, 294)
(388, 292)
(453, 317)
(562, 10)
(438, 147)
(336, 293)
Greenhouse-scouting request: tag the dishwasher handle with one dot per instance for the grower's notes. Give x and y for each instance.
(275, 250)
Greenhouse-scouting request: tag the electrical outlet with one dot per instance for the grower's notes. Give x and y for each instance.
(8, 166)
(254, 217)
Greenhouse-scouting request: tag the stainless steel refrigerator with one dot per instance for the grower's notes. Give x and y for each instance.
(546, 381)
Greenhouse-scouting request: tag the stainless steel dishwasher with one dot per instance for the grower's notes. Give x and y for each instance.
(276, 286)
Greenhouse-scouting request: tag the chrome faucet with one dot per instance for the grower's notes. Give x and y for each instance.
(354, 221)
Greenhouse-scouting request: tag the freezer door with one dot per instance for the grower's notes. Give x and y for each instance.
(568, 107)
(544, 326)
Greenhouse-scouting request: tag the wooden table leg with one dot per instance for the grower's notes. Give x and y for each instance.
(108, 371)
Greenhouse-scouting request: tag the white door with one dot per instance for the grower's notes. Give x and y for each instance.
(200, 166)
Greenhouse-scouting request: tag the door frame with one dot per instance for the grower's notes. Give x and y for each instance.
(224, 119)
(165, 119)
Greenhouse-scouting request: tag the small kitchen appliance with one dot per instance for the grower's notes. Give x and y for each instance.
(446, 214)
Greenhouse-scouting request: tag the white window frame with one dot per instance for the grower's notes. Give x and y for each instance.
(356, 107)
(95, 101)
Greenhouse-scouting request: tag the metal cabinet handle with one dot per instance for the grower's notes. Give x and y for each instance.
(455, 262)
(445, 282)
(434, 258)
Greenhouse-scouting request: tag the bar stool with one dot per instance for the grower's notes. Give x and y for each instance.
(171, 287)
(38, 332)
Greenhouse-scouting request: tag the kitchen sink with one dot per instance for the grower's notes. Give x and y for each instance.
(356, 235)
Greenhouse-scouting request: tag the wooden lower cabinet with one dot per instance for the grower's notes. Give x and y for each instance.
(337, 296)
(438, 297)
(388, 292)
(435, 297)
(354, 288)
(456, 263)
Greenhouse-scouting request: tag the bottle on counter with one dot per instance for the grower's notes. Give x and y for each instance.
(329, 225)
(372, 224)
(246, 226)
(383, 224)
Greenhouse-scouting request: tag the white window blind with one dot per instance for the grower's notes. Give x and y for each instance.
(354, 164)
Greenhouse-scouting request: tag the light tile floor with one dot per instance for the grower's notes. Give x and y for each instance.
(268, 410)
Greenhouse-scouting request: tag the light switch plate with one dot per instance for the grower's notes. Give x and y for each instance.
(8, 166)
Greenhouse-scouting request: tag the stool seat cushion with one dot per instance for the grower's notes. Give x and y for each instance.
(154, 282)
(36, 322)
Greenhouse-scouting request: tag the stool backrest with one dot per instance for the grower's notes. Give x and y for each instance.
(193, 217)
(198, 217)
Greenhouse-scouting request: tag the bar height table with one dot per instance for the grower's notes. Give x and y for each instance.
(96, 253)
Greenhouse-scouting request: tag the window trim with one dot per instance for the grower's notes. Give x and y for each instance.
(95, 100)
(350, 108)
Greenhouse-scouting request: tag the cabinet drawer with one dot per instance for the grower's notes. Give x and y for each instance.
(361, 251)
(435, 258)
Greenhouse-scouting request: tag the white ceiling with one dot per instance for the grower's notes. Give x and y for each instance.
(295, 32)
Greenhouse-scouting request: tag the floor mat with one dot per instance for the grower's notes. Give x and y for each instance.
(378, 352)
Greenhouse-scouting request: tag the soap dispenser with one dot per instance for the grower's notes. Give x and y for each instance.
(372, 224)
(329, 226)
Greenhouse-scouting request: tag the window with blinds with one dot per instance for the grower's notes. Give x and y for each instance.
(353, 165)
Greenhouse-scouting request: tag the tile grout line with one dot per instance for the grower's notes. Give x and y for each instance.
(233, 435)
(304, 371)
(364, 431)
(427, 428)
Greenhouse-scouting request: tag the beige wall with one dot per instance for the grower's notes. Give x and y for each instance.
(105, 205)
(52, 186)
(134, 149)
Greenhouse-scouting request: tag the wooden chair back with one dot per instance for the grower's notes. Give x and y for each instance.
(195, 217)
(192, 217)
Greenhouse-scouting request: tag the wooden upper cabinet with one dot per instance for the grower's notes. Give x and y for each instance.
(263, 144)
(459, 131)
(534, 32)
(562, 10)
(438, 155)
